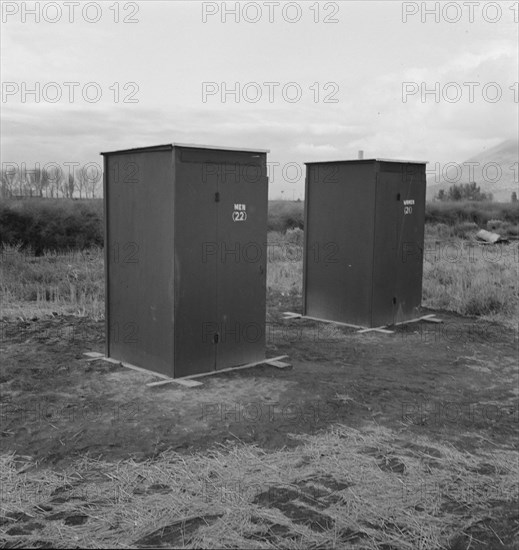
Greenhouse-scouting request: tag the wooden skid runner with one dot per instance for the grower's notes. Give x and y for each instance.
(431, 318)
(289, 315)
(134, 367)
(93, 355)
(187, 381)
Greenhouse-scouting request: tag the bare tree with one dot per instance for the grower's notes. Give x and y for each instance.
(94, 186)
(56, 181)
(91, 180)
(71, 184)
(39, 180)
(82, 182)
(4, 185)
(8, 181)
(23, 181)
(12, 180)
(35, 178)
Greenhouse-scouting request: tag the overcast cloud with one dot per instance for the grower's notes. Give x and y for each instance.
(362, 63)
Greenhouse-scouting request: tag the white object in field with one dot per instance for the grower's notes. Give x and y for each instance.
(488, 237)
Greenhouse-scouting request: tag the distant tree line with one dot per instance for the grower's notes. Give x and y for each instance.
(49, 183)
(464, 192)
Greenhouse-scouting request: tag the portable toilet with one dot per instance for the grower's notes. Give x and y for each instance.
(364, 237)
(185, 257)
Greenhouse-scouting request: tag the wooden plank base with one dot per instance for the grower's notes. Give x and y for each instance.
(179, 381)
(288, 315)
(134, 367)
(187, 381)
(183, 381)
(376, 329)
(93, 355)
(279, 364)
(384, 329)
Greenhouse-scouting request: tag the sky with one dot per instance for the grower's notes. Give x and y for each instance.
(312, 80)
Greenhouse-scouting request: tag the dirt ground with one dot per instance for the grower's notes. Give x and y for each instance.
(455, 382)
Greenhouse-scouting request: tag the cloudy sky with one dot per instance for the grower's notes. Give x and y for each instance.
(312, 80)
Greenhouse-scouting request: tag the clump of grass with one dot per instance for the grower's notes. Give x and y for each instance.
(438, 231)
(465, 230)
(505, 229)
(285, 262)
(471, 279)
(295, 236)
(67, 282)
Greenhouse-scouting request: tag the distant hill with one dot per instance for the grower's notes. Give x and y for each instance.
(506, 155)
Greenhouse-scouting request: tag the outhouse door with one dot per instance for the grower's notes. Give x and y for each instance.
(220, 259)
(241, 269)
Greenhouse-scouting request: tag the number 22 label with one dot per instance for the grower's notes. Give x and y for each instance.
(239, 216)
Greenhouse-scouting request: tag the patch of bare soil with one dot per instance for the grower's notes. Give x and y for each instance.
(454, 383)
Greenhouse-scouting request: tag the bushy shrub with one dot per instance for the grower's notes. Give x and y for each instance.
(285, 215)
(465, 230)
(453, 213)
(65, 224)
(53, 225)
(439, 231)
(295, 236)
(501, 227)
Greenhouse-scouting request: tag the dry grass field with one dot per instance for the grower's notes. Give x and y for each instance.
(459, 275)
(371, 441)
